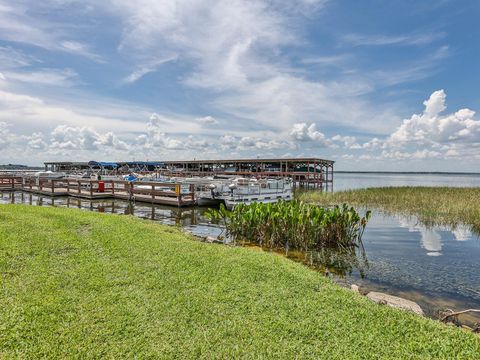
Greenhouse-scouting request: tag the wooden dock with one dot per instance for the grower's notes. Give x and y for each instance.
(174, 194)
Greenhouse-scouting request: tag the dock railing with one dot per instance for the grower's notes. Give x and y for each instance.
(10, 182)
(175, 194)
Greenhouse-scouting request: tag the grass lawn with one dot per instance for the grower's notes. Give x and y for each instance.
(87, 285)
(436, 205)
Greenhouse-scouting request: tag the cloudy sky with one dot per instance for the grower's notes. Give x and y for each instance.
(373, 85)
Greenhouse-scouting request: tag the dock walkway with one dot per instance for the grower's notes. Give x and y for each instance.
(174, 194)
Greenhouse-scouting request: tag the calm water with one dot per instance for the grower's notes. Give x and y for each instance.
(345, 181)
(434, 266)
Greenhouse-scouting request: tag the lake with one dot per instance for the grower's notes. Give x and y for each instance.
(434, 266)
(347, 181)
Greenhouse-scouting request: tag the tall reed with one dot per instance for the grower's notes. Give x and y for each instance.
(293, 224)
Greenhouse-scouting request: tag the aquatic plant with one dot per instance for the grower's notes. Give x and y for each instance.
(292, 224)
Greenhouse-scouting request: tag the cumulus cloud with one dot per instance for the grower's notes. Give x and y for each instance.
(156, 137)
(228, 142)
(207, 120)
(303, 132)
(36, 141)
(373, 144)
(231, 142)
(349, 142)
(431, 127)
(5, 135)
(416, 155)
(84, 138)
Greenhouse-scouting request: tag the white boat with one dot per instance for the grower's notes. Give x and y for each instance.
(49, 175)
(246, 191)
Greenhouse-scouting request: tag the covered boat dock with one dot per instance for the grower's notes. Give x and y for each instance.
(308, 172)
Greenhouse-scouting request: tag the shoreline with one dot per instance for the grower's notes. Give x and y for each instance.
(196, 298)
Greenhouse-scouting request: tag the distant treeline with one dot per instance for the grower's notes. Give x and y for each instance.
(18, 166)
(407, 172)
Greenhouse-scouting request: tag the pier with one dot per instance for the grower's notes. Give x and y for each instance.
(174, 194)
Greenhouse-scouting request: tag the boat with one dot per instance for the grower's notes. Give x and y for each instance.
(245, 191)
(49, 175)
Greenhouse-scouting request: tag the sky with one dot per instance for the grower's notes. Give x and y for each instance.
(374, 85)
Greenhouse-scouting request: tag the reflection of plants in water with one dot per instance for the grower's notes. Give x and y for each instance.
(294, 224)
(341, 261)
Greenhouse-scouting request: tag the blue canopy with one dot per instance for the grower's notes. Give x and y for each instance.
(130, 178)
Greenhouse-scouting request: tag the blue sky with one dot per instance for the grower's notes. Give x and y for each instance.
(373, 85)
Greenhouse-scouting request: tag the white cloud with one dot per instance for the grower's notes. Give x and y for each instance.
(232, 54)
(79, 48)
(5, 135)
(146, 68)
(84, 138)
(36, 141)
(431, 127)
(11, 58)
(255, 143)
(423, 38)
(303, 132)
(228, 142)
(234, 50)
(22, 22)
(349, 142)
(55, 77)
(32, 113)
(156, 137)
(417, 155)
(373, 144)
(207, 120)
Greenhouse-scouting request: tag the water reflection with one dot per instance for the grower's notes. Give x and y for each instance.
(431, 236)
(462, 233)
(342, 262)
(164, 214)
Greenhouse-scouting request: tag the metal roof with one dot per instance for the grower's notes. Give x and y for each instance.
(214, 161)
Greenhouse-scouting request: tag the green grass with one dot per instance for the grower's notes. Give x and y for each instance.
(84, 285)
(433, 205)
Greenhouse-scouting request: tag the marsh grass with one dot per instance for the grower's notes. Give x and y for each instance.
(432, 205)
(293, 224)
(76, 284)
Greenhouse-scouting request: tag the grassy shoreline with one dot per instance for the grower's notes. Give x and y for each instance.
(89, 285)
(432, 205)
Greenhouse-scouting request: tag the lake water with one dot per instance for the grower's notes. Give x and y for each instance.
(434, 266)
(346, 181)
